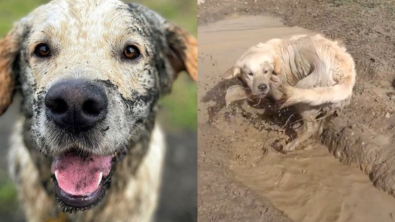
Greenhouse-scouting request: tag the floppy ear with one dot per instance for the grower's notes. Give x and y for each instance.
(232, 72)
(277, 66)
(176, 49)
(9, 49)
(183, 53)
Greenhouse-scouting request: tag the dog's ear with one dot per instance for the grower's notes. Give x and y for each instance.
(183, 53)
(277, 66)
(232, 72)
(176, 49)
(9, 50)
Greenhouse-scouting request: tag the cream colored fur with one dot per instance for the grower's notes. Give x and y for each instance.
(313, 73)
(329, 68)
(119, 206)
(333, 71)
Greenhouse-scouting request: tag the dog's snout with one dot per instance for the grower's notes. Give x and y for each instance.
(262, 87)
(76, 104)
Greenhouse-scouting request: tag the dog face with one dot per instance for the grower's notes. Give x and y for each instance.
(90, 73)
(256, 68)
(256, 74)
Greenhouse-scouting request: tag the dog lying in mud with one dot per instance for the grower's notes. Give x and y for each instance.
(90, 74)
(313, 73)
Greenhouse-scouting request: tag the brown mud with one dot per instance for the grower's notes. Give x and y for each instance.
(238, 161)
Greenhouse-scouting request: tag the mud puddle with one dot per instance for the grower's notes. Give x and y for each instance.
(308, 185)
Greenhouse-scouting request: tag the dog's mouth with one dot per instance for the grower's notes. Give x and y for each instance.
(81, 181)
(259, 95)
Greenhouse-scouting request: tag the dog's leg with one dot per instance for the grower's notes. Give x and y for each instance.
(310, 127)
(324, 119)
(307, 82)
(321, 124)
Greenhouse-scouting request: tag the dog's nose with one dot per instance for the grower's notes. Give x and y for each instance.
(262, 87)
(76, 104)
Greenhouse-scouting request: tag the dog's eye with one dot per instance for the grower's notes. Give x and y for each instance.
(250, 74)
(131, 52)
(42, 50)
(265, 72)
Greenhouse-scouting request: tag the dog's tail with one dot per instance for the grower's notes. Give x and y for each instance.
(319, 95)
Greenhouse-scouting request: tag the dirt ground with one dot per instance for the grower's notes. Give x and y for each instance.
(241, 176)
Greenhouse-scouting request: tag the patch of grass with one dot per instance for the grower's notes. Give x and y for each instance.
(12, 10)
(182, 103)
(8, 197)
(180, 107)
(183, 13)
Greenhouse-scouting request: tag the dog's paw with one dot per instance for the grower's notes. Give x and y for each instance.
(286, 99)
(291, 146)
(278, 146)
(235, 93)
(285, 89)
(285, 103)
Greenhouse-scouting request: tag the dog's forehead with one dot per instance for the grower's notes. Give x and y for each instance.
(254, 61)
(266, 64)
(73, 11)
(73, 20)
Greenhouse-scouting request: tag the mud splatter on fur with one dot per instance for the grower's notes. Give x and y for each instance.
(87, 39)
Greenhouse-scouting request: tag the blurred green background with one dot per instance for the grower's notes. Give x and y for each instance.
(179, 109)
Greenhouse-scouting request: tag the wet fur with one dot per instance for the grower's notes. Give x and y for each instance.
(87, 38)
(313, 73)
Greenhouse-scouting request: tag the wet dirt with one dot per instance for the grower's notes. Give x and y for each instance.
(238, 144)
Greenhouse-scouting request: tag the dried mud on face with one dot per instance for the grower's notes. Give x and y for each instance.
(241, 175)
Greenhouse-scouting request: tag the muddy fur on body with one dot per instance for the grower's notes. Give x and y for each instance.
(86, 40)
(311, 72)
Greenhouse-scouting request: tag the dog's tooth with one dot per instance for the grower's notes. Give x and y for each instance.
(56, 174)
(100, 178)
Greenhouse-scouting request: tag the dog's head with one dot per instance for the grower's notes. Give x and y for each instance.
(90, 74)
(256, 68)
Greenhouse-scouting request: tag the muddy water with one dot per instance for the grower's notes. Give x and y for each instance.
(308, 185)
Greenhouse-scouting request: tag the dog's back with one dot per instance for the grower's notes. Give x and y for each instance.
(329, 71)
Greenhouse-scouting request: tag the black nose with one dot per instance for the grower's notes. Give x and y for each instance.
(76, 105)
(262, 87)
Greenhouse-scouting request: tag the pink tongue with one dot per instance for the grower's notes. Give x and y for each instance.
(78, 175)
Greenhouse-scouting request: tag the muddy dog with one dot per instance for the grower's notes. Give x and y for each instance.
(90, 74)
(311, 72)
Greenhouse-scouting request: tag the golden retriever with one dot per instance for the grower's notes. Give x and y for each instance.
(311, 72)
